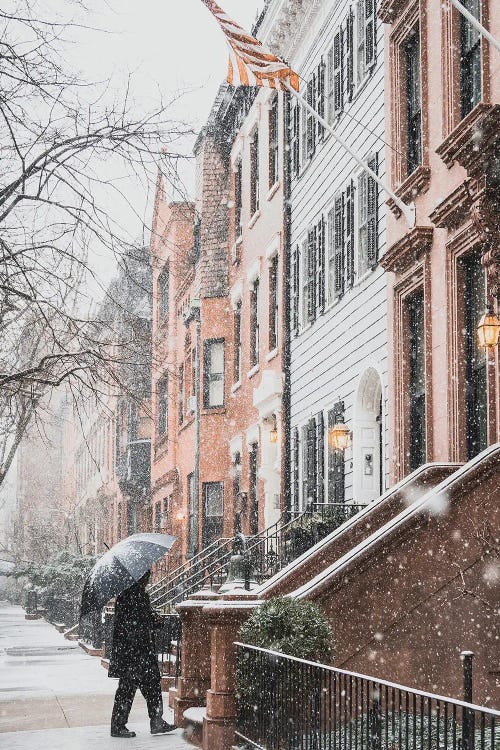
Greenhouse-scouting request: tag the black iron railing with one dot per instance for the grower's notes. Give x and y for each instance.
(268, 551)
(91, 630)
(292, 704)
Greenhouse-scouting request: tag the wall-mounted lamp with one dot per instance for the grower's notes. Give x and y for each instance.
(488, 329)
(339, 436)
(273, 434)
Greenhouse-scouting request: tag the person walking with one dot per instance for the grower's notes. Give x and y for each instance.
(133, 660)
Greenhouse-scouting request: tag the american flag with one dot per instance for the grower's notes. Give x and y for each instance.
(250, 63)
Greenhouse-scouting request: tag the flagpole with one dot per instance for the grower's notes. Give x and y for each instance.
(477, 25)
(409, 211)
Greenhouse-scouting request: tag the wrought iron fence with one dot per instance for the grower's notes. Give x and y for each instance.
(292, 704)
(268, 551)
(91, 630)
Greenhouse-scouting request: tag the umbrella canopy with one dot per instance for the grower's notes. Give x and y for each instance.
(120, 567)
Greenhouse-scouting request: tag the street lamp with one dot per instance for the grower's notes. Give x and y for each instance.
(488, 329)
(339, 436)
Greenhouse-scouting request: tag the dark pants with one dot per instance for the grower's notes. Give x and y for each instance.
(150, 687)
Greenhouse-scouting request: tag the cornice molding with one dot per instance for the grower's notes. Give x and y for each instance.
(450, 212)
(409, 249)
(475, 140)
(389, 10)
(415, 184)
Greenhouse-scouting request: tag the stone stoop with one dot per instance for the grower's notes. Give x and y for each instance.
(193, 732)
(34, 616)
(90, 650)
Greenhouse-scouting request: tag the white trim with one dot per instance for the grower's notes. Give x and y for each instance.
(252, 435)
(253, 272)
(236, 293)
(254, 219)
(272, 354)
(255, 369)
(273, 248)
(236, 386)
(272, 192)
(236, 446)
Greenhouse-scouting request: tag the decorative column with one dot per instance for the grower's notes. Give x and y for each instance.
(225, 619)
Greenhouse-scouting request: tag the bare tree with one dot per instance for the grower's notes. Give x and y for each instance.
(61, 139)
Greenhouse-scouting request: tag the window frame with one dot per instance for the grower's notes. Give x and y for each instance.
(273, 302)
(209, 376)
(162, 405)
(164, 294)
(254, 323)
(273, 121)
(254, 173)
(238, 341)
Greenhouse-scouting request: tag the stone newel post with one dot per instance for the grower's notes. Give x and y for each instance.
(195, 679)
(225, 619)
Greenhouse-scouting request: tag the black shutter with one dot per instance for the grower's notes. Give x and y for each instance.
(295, 468)
(311, 461)
(349, 226)
(310, 119)
(295, 136)
(338, 73)
(320, 108)
(311, 274)
(350, 54)
(295, 288)
(372, 215)
(320, 454)
(370, 33)
(336, 462)
(339, 245)
(321, 252)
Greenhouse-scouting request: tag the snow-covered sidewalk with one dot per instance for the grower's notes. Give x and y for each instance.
(53, 695)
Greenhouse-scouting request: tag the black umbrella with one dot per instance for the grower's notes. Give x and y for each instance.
(120, 567)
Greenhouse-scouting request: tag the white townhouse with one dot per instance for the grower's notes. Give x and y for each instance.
(338, 299)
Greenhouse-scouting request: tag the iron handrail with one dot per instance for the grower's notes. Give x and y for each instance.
(177, 572)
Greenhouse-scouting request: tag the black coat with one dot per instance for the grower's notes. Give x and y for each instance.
(133, 654)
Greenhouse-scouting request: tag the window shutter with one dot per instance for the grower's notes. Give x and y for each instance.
(295, 136)
(372, 215)
(311, 274)
(349, 222)
(339, 245)
(331, 86)
(311, 470)
(295, 288)
(320, 108)
(370, 33)
(311, 120)
(321, 235)
(295, 468)
(338, 77)
(320, 454)
(337, 462)
(350, 54)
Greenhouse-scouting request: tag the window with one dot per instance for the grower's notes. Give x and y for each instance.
(181, 394)
(305, 282)
(336, 76)
(213, 375)
(273, 143)
(254, 173)
(238, 199)
(213, 511)
(366, 38)
(237, 343)
(470, 59)
(254, 323)
(252, 489)
(295, 135)
(167, 502)
(236, 491)
(313, 460)
(163, 293)
(273, 303)
(476, 390)
(336, 462)
(411, 52)
(162, 396)
(416, 350)
(310, 120)
(157, 516)
(193, 515)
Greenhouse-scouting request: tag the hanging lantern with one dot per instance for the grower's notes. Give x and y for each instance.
(339, 436)
(273, 434)
(488, 329)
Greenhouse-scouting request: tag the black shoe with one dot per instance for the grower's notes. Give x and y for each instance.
(121, 732)
(160, 726)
